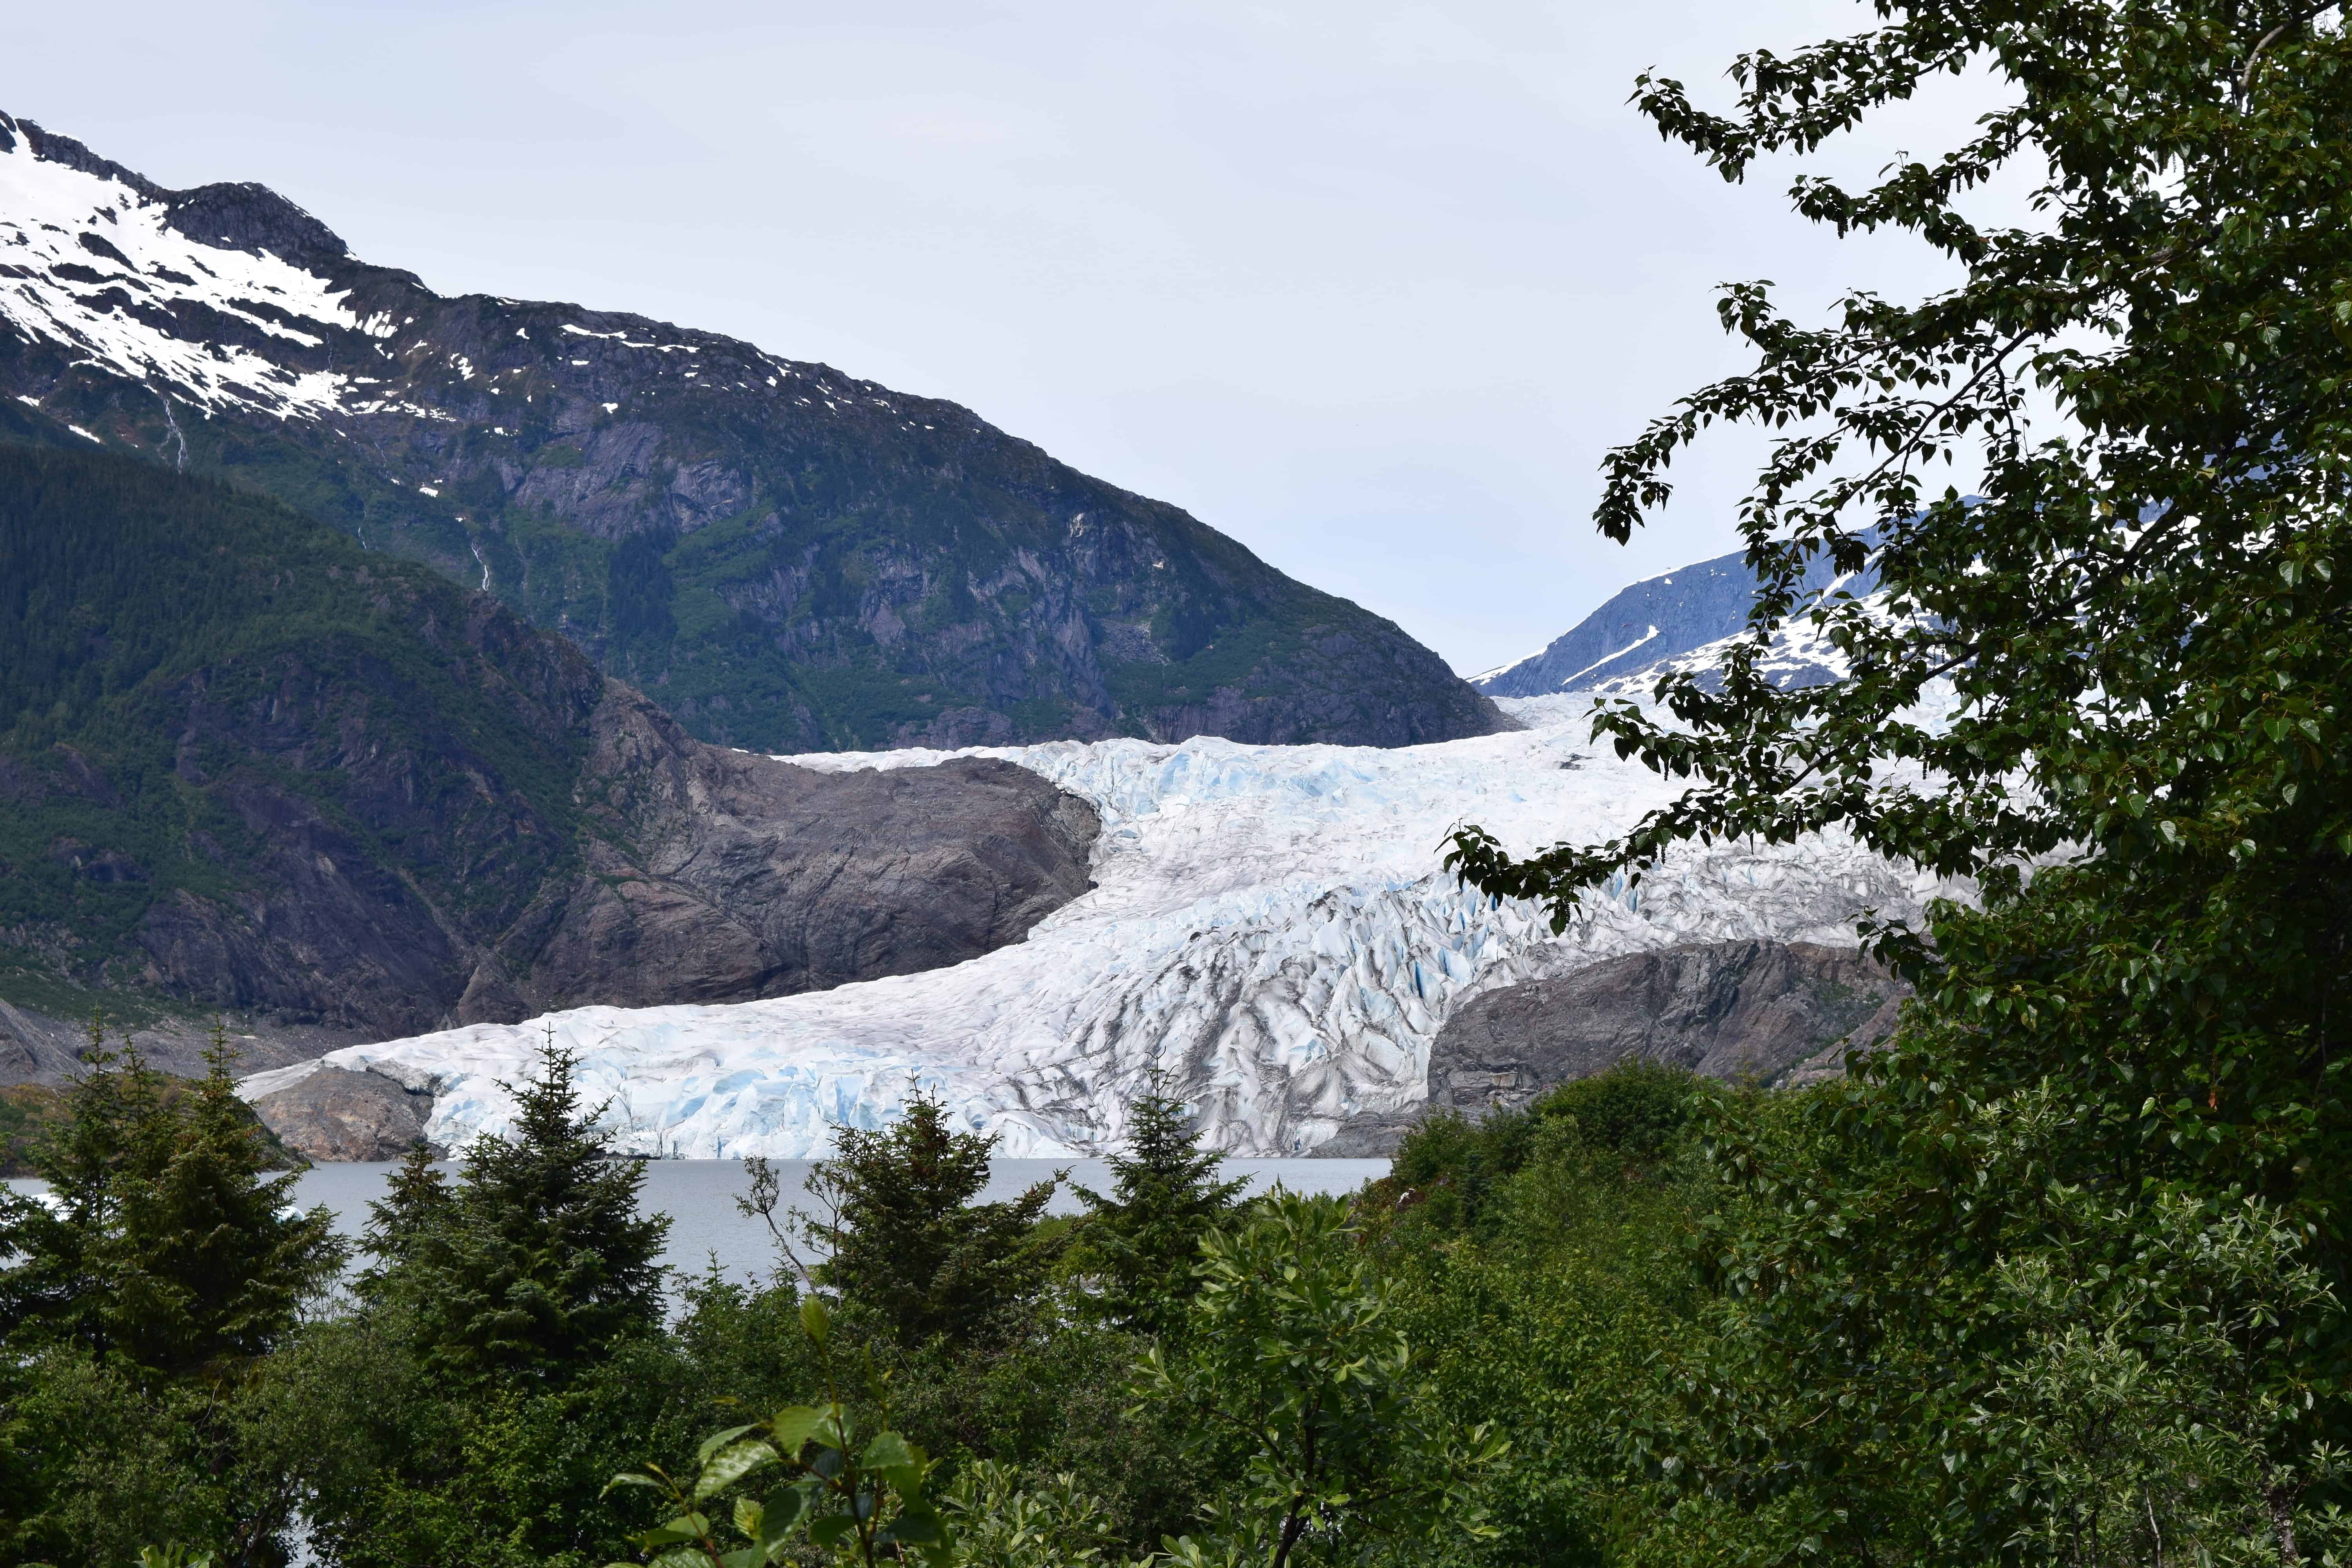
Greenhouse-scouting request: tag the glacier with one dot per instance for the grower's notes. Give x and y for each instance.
(1270, 929)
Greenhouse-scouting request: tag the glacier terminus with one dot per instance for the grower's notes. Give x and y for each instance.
(1271, 929)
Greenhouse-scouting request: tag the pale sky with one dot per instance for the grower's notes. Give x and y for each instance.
(1370, 287)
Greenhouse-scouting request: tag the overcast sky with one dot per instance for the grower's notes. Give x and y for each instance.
(1369, 286)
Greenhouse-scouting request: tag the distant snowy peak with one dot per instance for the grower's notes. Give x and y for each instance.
(1684, 620)
(170, 287)
(232, 297)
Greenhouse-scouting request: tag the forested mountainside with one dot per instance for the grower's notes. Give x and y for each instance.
(246, 764)
(785, 557)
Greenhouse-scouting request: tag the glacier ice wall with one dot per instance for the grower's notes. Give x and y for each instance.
(1270, 927)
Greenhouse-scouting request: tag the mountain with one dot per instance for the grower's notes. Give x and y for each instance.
(1674, 619)
(1270, 927)
(785, 557)
(245, 765)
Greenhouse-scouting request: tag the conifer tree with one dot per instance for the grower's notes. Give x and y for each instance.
(1166, 1197)
(904, 1236)
(208, 1259)
(539, 1262)
(414, 1214)
(49, 1292)
(167, 1240)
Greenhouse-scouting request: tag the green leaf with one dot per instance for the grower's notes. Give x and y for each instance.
(685, 1527)
(712, 1445)
(786, 1509)
(814, 1321)
(794, 1425)
(889, 1448)
(731, 1464)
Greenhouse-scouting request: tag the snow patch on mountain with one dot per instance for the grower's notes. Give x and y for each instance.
(91, 262)
(1799, 654)
(1271, 927)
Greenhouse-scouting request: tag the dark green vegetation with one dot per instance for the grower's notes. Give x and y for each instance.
(2076, 1246)
(27, 1110)
(163, 1270)
(786, 558)
(2055, 1277)
(227, 733)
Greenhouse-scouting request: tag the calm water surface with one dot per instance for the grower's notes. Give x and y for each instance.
(699, 1196)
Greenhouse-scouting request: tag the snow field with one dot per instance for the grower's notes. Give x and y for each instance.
(55, 216)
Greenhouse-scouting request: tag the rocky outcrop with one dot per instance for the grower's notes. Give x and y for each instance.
(712, 874)
(1781, 1013)
(40, 1047)
(329, 1115)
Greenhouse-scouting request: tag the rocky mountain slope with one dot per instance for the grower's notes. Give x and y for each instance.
(1735, 1010)
(1271, 927)
(245, 765)
(1674, 619)
(786, 558)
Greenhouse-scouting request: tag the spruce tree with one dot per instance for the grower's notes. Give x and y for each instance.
(414, 1216)
(165, 1240)
(208, 1259)
(1166, 1197)
(50, 1291)
(539, 1262)
(904, 1237)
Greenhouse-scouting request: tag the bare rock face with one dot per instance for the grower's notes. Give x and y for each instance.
(332, 1114)
(1782, 1014)
(712, 874)
(1732, 1010)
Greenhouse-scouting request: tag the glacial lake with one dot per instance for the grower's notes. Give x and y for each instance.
(699, 1196)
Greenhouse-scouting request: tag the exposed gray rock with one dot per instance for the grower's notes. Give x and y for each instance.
(1771, 1013)
(712, 875)
(36, 1048)
(330, 1114)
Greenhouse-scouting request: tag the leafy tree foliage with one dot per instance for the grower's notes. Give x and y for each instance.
(864, 1497)
(2138, 615)
(1299, 1380)
(1462, 1168)
(1165, 1198)
(2120, 667)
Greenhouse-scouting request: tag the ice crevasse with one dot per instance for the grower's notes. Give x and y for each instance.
(1271, 929)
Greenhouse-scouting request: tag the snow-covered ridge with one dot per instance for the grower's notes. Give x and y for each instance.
(89, 261)
(1799, 654)
(1270, 926)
